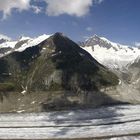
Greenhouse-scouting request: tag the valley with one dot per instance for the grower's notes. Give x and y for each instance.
(69, 70)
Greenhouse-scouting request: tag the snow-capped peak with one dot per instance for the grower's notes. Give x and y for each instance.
(24, 38)
(104, 42)
(21, 44)
(4, 38)
(110, 54)
(32, 42)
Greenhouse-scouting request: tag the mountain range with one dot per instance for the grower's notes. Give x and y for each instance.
(123, 60)
(112, 55)
(51, 72)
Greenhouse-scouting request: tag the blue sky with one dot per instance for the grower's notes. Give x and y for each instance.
(117, 20)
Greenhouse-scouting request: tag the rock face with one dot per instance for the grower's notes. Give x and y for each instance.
(66, 74)
(134, 74)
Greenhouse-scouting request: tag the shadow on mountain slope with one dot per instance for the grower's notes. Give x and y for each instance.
(82, 77)
(67, 75)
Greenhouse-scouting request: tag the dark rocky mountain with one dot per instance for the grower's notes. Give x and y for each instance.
(96, 40)
(57, 74)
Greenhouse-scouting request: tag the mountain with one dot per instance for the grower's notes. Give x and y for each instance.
(123, 60)
(4, 38)
(53, 72)
(21, 44)
(134, 72)
(112, 55)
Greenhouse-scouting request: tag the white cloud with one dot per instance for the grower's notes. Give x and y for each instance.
(71, 7)
(36, 9)
(53, 7)
(89, 29)
(98, 1)
(137, 44)
(6, 6)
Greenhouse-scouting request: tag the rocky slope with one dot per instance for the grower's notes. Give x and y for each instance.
(134, 72)
(123, 60)
(57, 72)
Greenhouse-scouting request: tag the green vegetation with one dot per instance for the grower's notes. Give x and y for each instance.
(7, 87)
(108, 78)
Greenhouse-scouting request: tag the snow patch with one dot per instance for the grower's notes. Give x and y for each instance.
(33, 42)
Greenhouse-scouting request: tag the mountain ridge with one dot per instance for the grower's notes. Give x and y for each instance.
(4, 38)
(110, 54)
